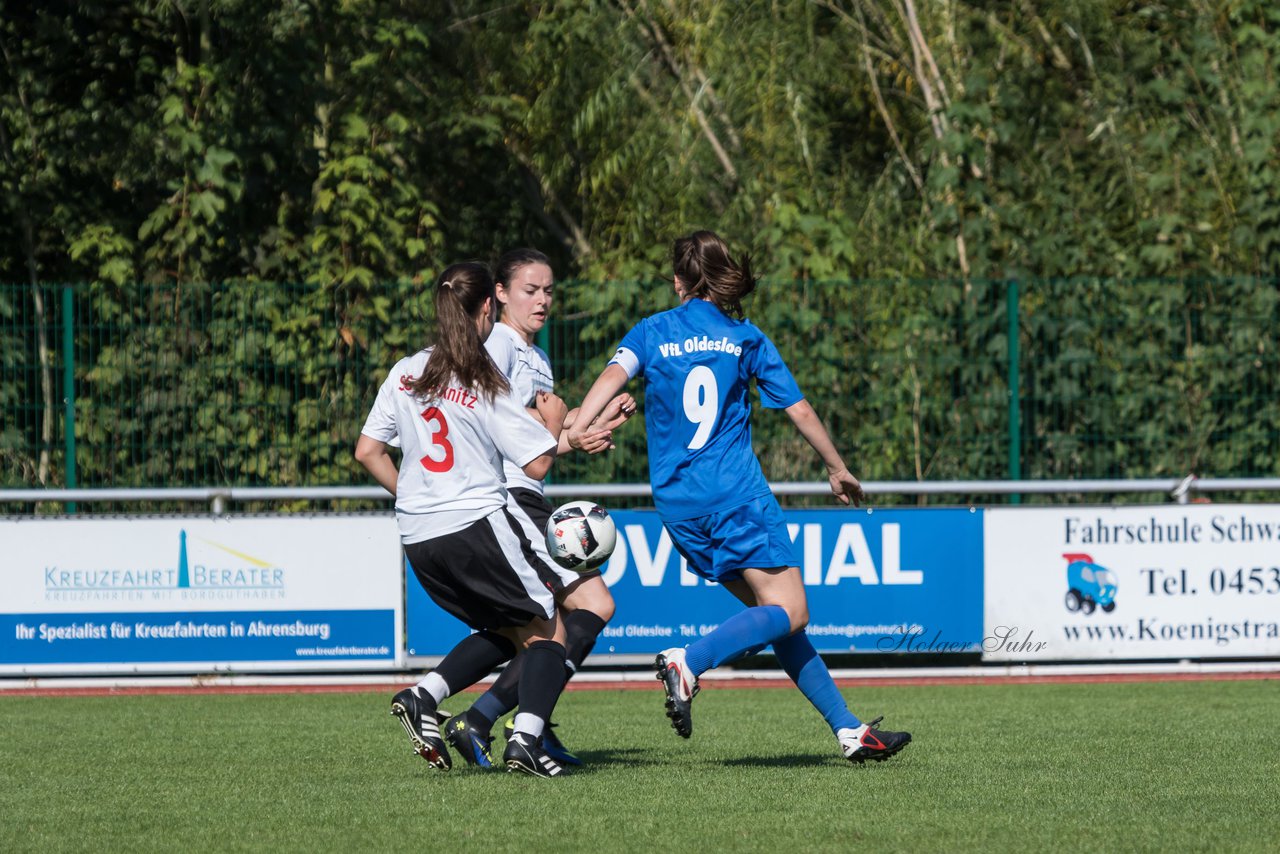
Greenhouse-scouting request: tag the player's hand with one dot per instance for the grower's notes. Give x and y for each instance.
(578, 439)
(593, 442)
(846, 488)
(617, 412)
(552, 409)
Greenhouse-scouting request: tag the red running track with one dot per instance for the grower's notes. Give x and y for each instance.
(652, 685)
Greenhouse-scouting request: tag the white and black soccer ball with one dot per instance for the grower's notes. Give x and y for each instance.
(580, 535)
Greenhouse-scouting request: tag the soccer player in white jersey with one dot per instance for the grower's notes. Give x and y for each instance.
(456, 419)
(698, 361)
(525, 286)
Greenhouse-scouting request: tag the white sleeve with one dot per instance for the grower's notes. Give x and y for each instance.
(502, 350)
(381, 423)
(531, 374)
(626, 360)
(519, 437)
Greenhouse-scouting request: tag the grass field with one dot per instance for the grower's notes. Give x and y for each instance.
(1149, 766)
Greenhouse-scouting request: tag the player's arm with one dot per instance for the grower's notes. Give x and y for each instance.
(615, 414)
(606, 387)
(844, 485)
(596, 441)
(600, 436)
(551, 412)
(373, 455)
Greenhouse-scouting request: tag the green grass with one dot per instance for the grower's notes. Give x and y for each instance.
(1152, 766)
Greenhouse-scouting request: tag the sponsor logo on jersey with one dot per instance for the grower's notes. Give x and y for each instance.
(700, 345)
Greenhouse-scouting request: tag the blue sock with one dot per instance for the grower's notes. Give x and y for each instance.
(490, 707)
(745, 633)
(807, 669)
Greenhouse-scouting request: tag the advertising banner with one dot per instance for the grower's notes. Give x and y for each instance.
(883, 581)
(1190, 581)
(199, 593)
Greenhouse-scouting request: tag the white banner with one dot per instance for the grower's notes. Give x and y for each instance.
(1192, 581)
(200, 593)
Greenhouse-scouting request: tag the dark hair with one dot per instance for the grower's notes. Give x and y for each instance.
(513, 260)
(706, 269)
(459, 353)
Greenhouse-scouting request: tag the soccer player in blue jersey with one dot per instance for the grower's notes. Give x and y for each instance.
(698, 361)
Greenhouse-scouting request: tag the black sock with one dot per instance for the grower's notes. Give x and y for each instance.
(542, 678)
(581, 628)
(473, 659)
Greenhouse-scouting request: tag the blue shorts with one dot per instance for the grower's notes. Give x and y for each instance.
(720, 545)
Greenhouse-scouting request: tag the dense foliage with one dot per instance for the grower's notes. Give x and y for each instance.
(149, 148)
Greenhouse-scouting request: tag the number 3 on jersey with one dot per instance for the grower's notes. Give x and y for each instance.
(439, 451)
(701, 404)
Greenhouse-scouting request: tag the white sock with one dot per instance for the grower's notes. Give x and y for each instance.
(435, 686)
(529, 724)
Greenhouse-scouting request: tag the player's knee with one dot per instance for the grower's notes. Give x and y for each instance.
(603, 608)
(591, 595)
(799, 617)
(539, 629)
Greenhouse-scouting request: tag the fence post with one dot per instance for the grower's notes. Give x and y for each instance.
(69, 387)
(1015, 414)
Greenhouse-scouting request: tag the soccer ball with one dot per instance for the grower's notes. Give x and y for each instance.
(580, 535)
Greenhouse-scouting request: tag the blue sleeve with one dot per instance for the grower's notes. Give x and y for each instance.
(778, 389)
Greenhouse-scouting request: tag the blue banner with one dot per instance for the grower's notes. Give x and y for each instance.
(198, 636)
(877, 581)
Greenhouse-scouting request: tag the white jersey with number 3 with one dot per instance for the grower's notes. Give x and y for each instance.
(453, 446)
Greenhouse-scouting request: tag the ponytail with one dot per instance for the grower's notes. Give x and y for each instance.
(459, 355)
(707, 271)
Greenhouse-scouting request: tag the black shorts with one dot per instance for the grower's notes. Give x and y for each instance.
(535, 506)
(485, 574)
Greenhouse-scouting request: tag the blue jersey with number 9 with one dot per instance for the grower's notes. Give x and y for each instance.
(697, 364)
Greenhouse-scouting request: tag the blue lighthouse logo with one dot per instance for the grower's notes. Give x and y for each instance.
(184, 574)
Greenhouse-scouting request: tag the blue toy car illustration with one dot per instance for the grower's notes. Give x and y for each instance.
(1089, 586)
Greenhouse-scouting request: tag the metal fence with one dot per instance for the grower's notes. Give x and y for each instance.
(266, 385)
